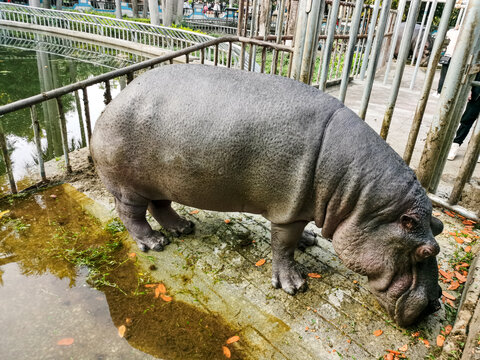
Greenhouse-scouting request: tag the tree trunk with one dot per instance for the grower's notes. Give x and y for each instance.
(154, 13)
(169, 11)
(58, 5)
(34, 3)
(118, 9)
(47, 4)
(179, 15)
(135, 8)
(264, 9)
(145, 9)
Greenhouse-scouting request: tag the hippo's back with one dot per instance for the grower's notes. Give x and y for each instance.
(215, 138)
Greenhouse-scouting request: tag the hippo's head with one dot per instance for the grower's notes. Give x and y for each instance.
(397, 252)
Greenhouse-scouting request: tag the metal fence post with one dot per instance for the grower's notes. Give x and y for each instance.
(63, 130)
(371, 32)
(398, 21)
(427, 85)
(375, 55)
(6, 160)
(468, 38)
(400, 65)
(352, 41)
(38, 144)
(299, 43)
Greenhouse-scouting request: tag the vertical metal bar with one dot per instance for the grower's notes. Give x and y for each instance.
(467, 42)
(328, 44)
(427, 85)
(279, 31)
(215, 57)
(375, 55)
(202, 56)
(422, 24)
(6, 160)
(352, 41)
(38, 144)
(371, 33)
(107, 94)
(229, 58)
(400, 66)
(86, 109)
(63, 131)
(400, 10)
(242, 56)
(264, 59)
(299, 43)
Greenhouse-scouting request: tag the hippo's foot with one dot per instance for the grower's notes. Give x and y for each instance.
(162, 211)
(289, 279)
(309, 238)
(155, 241)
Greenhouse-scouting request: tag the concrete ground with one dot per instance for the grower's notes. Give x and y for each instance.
(338, 317)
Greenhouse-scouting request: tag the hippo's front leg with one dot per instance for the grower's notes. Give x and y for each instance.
(285, 239)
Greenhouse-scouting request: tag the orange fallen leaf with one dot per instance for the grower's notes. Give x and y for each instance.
(437, 214)
(151, 285)
(440, 340)
(446, 275)
(65, 342)
(464, 265)
(162, 289)
(193, 212)
(227, 221)
(453, 233)
(448, 296)
(349, 341)
(450, 214)
(166, 298)
(260, 262)
(468, 222)
(306, 328)
(233, 339)
(448, 328)
(460, 277)
(121, 330)
(450, 302)
(355, 281)
(317, 337)
(393, 352)
(403, 348)
(378, 332)
(128, 321)
(468, 249)
(389, 356)
(426, 342)
(459, 240)
(132, 255)
(226, 352)
(416, 334)
(314, 275)
(454, 285)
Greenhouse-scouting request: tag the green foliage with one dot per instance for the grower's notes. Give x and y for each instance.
(115, 226)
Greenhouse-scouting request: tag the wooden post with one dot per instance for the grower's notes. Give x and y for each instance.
(6, 160)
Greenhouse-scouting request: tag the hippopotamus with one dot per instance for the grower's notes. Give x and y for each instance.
(418, 31)
(229, 140)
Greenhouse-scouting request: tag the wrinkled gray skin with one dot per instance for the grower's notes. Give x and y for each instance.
(418, 31)
(229, 140)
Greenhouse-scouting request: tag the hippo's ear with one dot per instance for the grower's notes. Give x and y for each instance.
(436, 225)
(409, 221)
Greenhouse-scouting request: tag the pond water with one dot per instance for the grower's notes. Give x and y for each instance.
(25, 73)
(71, 289)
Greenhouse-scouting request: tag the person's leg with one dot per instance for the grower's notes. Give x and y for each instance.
(443, 73)
(468, 118)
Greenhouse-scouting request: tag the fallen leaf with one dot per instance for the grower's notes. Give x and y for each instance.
(403, 348)
(157, 292)
(453, 233)
(162, 289)
(426, 342)
(416, 334)
(128, 321)
(151, 285)
(226, 352)
(468, 249)
(393, 352)
(193, 212)
(4, 213)
(454, 285)
(121, 330)
(260, 262)
(53, 196)
(446, 275)
(355, 281)
(437, 214)
(132, 255)
(448, 328)
(389, 356)
(468, 222)
(349, 341)
(450, 302)
(314, 275)
(440, 340)
(464, 265)
(317, 337)
(378, 332)
(233, 339)
(448, 296)
(460, 277)
(306, 328)
(459, 240)
(227, 221)
(166, 298)
(65, 342)
(450, 214)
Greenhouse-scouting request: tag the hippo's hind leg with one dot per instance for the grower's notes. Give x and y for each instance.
(285, 240)
(132, 210)
(162, 211)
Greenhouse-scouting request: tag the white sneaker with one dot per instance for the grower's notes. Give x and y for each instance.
(453, 151)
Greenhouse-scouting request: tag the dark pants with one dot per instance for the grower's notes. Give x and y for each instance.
(468, 118)
(443, 73)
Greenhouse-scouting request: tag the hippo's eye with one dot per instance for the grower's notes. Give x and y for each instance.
(408, 222)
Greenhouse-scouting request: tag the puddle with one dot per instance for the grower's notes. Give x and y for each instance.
(52, 255)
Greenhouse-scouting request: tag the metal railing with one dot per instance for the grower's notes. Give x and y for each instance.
(73, 48)
(106, 27)
(185, 55)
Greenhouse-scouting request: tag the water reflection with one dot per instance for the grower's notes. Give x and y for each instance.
(26, 73)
